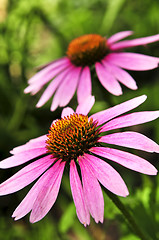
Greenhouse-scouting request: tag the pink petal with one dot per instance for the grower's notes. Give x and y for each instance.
(55, 64)
(34, 87)
(134, 42)
(42, 66)
(78, 196)
(66, 112)
(32, 144)
(117, 110)
(107, 80)
(92, 191)
(52, 87)
(107, 175)
(121, 75)
(48, 193)
(27, 204)
(130, 120)
(133, 61)
(118, 36)
(84, 88)
(85, 106)
(41, 138)
(67, 89)
(126, 159)
(25, 176)
(132, 140)
(22, 157)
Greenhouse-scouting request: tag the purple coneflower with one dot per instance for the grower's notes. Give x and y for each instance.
(80, 141)
(73, 71)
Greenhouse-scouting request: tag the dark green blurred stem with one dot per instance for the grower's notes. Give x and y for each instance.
(129, 217)
(112, 9)
(153, 203)
(18, 114)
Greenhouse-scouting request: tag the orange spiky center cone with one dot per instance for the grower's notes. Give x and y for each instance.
(87, 49)
(72, 136)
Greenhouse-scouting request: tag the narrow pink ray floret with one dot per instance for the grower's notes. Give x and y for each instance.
(73, 72)
(80, 141)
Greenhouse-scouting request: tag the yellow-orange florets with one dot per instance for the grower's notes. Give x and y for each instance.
(72, 136)
(87, 49)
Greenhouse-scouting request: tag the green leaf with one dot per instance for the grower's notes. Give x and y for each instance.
(67, 219)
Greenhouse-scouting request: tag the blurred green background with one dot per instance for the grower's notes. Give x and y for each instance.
(35, 32)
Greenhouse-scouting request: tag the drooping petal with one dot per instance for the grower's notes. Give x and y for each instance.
(22, 157)
(126, 159)
(132, 140)
(92, 191)
(130, 120)
(25, 176)
(118, 36)
(70, 87)
(55, 64)
(121, 75)
(84, 88)
(133, 61)
(41, 138)
(67, 89)
(107, 80)
(32, 144)
(48, 193)
(117, 110)
(66, 112)
(134, 42)
(78, 196)
(42, 66)
(27, 203)
(107, 175)
(34, 87)
(52, 87)
(85, 106)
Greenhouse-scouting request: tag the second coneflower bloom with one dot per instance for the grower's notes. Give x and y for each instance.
(83, 144)
(72, 72)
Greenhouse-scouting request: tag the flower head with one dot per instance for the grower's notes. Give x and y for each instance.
(87, 50)
(80, 141)
(72, 72)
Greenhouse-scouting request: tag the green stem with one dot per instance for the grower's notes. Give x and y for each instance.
(129, 217)
(112, 10)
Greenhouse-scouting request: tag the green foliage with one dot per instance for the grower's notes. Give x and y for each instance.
(67, 220)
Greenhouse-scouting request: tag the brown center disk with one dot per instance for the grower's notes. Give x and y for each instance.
(72, 136)
(87, 49)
